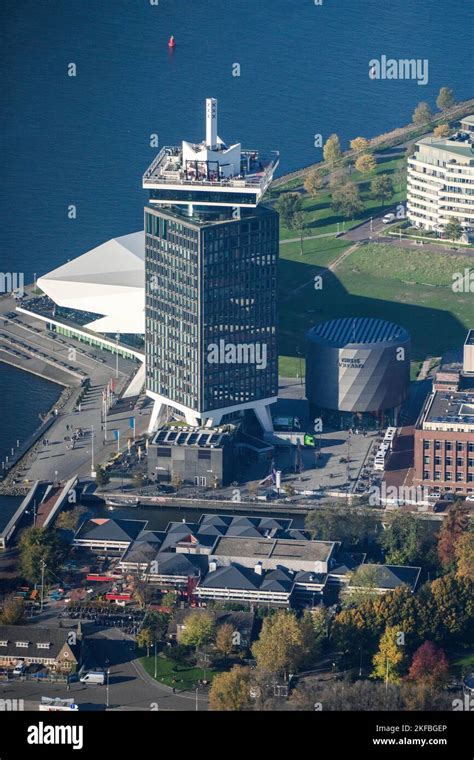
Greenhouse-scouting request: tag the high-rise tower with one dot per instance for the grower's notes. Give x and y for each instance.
(211, 256)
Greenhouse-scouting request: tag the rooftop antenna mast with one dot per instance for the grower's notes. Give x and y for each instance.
(211, 123)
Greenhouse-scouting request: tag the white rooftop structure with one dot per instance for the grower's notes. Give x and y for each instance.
(212, 172)
(108, 281)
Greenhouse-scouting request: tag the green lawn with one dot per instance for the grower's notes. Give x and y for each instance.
(319, 216)
(410, 287)
(464, 665)
(182, 678)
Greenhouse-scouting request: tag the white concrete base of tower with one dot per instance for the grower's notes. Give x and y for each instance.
(213, 417)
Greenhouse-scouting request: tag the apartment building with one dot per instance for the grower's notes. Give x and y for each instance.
(441, 181)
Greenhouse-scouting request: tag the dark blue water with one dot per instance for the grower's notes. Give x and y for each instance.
(85, 140)
(24, 397)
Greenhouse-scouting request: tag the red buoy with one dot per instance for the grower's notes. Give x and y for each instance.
(171, 42)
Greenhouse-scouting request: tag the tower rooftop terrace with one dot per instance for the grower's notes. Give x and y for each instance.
(169, 170)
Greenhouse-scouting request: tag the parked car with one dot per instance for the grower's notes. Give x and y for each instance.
(19, 669)
(388, 218)
(93, 677)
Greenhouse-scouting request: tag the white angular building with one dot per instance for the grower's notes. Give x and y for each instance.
(108, 281)
(440, 181)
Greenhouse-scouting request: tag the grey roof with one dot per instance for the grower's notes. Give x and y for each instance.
(245, 578)
(232, 577)
(243, 530)
(347, 562)
(305, 576)
(277, 580)
(170, 563)
(283, 549)
(151, 536)
(218, 520)
(182, 527)
(144, 550)
(212, 530)
(357, 330)
(392, 576)
(106, 529)
(56, 637)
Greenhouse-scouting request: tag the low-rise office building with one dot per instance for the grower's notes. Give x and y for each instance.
(103, 534)
(200, 456)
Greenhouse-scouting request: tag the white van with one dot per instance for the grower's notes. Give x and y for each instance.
(388, 218)
(93, 677)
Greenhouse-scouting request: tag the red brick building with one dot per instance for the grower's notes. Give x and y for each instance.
(444, 443)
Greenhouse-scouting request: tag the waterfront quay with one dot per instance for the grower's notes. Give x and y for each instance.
(73, 438)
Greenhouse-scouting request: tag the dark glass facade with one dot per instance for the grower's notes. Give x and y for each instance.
(210, 311)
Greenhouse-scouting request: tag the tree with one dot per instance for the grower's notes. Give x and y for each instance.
(445, 99)
(332, 149)
(338, 177)
(365, 163)
(39, 545)
(454, 525)
(360, 145)
(354, 529)
(361, 696)
(364, 582)
(282, 646)
(381, 187)
(442, 130)
(422, 114)
(101, 476)
(464, 553)
(453, 229)
(313, 183)
(225, 639)
(145, 638)
(404, 540)
(169, 599)
(446, 610)
(198, 629)
(158, 622)
(389, 658)
(178, 655)
(288, 206)
(12, 610)
(396, 608)
(141, 590)
(400, 176)
(298, 223)
(231, 691)
(70, 519)
(429, 666)
(346, 200)
(313, 634)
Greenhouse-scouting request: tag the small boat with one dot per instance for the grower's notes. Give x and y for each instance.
(122, 501)
(171, 42)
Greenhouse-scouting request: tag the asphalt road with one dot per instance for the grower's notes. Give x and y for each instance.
(130, 687)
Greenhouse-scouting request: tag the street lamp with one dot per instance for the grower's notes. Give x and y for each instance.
(117, 336)
(107, 663)
(156, 662)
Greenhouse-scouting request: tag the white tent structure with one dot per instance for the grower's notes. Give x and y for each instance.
(108, 280)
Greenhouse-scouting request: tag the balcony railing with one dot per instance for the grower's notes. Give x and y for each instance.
(167, 169)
